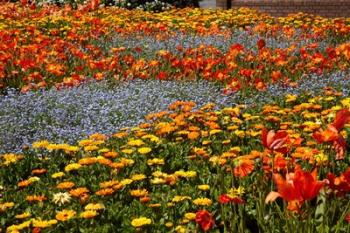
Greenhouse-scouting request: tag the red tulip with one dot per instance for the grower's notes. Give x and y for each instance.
(205, 220)
(340, 185)
(275, 141)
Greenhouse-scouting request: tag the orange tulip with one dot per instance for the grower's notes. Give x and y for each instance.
(331, 134)
(296, 188)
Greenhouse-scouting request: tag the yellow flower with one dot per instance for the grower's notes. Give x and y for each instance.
(157, 181)
(96, 206)
(91, 148)
(33, 179)
(234, 192)
(126, 181)
(137, 177)
(65, 215)
(190, 216)
(18, 228)
(42, 223)
(57, 175)
(88, 214)
(180, 229)
(137, 142)
(321, 158)
(169, 224)
(139, 222)
(103, 150)
(239, 133)
(203, 187)
(187, 174)
(11, 158)
(128, 151)
(202, 201)
(180, 198)
(72, 166)
(72, 148)
(291, 98)
(138, 192)
(24, 215)
(214, 131)
(144, 150)
(155, 161)
(40, 144)
(5, 206)
(85, 142)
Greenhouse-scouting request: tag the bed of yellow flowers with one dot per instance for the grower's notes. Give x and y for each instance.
(283, 167)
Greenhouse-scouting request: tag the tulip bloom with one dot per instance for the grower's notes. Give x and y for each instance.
(205, 220)
(332, 135)
(340, 185)
(296, 188)
(275, 141)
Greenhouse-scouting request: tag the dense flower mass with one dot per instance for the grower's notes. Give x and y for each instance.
(188, 120)
(156, 171)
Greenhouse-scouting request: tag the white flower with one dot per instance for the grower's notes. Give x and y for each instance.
(61, 198)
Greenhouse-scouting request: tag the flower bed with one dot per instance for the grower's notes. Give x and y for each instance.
(64, 47)
(182, 121)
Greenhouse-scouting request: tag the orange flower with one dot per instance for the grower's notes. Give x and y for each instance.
(65, 215)
(36, 198)
(65, 185)
(39, 171)
(296, 188)
(78, 192)
(331, 134)
(105, 192)
(243, 167)
(193, 135)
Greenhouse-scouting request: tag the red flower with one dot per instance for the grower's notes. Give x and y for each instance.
(297, 187)
(331, 134)
(225, 198)
(205, 220)
(261, 44)
(341, 184)
(347, 218)
(275, 141)
(162, 75)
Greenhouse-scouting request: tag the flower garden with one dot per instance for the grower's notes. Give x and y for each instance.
(184, 120)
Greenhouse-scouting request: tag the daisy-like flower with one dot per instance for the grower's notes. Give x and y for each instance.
(139, 222)
(95, 206)
(144, 150)
(203, 201)
(88, 214)
(43, 223)
(65, 215)
(22, 216)
(203, 187)
(61, 198)
(72, 167)
(57, 175)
